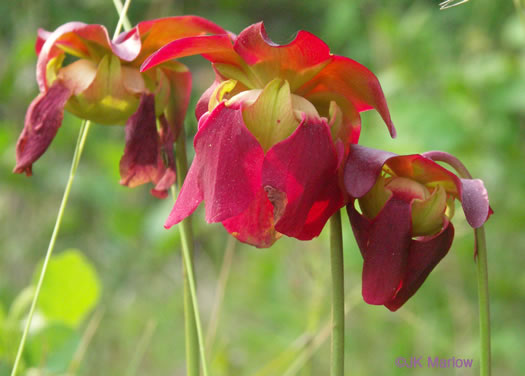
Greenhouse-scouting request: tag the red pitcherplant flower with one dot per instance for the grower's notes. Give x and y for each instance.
(104, 85)
(273, 130)
(404, 230)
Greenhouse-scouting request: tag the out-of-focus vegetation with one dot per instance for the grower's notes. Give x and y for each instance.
(454, 80)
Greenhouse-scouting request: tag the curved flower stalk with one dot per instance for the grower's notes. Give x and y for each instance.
(103, 84)
(404, 229)
(273, 130)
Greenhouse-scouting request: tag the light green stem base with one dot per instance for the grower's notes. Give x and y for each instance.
(338, 297)
(193, 327)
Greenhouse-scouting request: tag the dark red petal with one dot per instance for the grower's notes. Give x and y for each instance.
(363, 168)
(226, 171)
(355, 82)
(74, 36)
(385, 251)
(475, 201)
(215, 48)
(298, 174)
(43, 118)
(296, 62)
(141, 162)
(255, 225)
(168, 177)
(423, 257)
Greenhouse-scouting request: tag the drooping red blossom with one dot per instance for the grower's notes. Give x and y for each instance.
(273, 130)
(104, 85)
(404, 227)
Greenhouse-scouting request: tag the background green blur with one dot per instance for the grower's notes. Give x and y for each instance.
(454, 81)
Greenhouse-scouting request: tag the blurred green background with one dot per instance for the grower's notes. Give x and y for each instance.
(454, 81)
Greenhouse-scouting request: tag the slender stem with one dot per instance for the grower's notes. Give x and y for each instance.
(482, 269)
(484, 303)
(76, 159)
(142, 346)
(123, 18)
(194, 346)
(338, 297)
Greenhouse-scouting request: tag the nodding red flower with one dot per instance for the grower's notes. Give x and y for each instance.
(104, 85)
(404, 229)
(273, 130)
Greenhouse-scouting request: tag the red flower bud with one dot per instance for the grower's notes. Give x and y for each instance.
(404, 227)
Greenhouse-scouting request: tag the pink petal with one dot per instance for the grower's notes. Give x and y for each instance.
(226, 172)
(141, 162)
(202, 105)
(255, 225)
(475, 201)
(43, 118)
(175, 111)
(42, 36)
(355, 82)
(385, 246)
(362, 169)
(300, 178)
(423, 257)
(216, 48)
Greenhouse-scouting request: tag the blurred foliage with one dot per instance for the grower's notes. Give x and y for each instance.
(454, 81)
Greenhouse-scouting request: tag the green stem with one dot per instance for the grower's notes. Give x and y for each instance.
(482, 268)
(484, 304)
(123, 20)
(193, 327)
(338, 297)
(76, 159)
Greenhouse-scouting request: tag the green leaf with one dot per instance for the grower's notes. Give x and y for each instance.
(71, 288)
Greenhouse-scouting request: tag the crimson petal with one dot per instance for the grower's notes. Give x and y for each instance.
(216, 48)
(255, 225)
(423, 257)
(297, 175)
(43, 118)
(384, 246)
(226, 172)
(141, 162)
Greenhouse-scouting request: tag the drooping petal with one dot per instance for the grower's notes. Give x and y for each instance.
(255, 225)
(73, 37)
(475, 201)
(355, 82)
(297, 174)
(43, 118)
(216, 48)
(423, 257)
(295, 62)
(141, 162)
(362, 169)
(226, 172)
(159, 32)
(384, 244)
